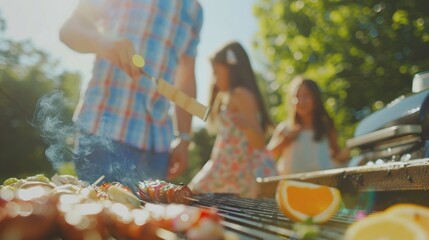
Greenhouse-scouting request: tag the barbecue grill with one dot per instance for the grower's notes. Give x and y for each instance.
(261, 219)
(399, 132)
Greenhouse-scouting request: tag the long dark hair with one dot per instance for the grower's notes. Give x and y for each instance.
(240, 75)
(322, 122)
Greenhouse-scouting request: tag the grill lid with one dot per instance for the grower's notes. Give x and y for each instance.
(401, 111)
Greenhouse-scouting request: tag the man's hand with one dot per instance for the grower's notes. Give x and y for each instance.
(81, 34)
(120, 52)
(178, 159)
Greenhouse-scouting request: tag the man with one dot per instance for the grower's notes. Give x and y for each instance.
(120, 103)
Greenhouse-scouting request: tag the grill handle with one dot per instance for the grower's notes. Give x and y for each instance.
(384, 134)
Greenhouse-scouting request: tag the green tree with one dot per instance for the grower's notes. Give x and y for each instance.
(199, 154)
(27, 74)
(362, 53)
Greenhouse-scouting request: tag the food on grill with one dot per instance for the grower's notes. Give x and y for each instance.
(59, 180)
(124, 222)
(400, 221)
(163, 192)
(302, 201)
(26, 213)
(16, 183)
(38, 208)
(79, 218)
(197, 223)
(118, 193)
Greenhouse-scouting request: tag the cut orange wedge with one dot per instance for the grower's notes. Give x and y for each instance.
(385, 226)
(411, 212)
(301, 201)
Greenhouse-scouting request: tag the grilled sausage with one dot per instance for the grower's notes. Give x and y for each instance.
(163, 192)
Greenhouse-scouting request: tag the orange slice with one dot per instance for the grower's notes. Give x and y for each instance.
(300, 201)
(411, 212)
(385, 226)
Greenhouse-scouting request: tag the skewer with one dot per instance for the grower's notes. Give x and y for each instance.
(97, 181)
(191, 199)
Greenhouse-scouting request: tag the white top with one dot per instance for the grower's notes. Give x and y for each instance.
(305, 155)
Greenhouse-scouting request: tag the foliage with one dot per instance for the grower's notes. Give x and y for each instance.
(198, 155)
(27, 74)
(362, 53)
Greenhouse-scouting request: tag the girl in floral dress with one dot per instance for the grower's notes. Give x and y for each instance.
(241, 120)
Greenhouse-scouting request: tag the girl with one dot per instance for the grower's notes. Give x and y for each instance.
(240, 118)
(309, 141)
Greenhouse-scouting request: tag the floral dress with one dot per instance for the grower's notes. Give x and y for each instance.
(234, 164)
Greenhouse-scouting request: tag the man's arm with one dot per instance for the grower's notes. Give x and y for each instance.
(81, 34)
(185, 81)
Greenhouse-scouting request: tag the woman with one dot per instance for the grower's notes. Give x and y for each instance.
(308, 142)
(241, 120)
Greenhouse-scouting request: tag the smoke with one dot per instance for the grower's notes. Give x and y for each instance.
(60, 133)
(52, 118)
(56, 131)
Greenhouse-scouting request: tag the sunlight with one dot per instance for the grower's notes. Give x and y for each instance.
(122, 212)
(39, 21)
(32, 193)
(141, 216)
(34, 19)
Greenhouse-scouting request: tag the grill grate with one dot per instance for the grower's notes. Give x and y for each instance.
(261, 219)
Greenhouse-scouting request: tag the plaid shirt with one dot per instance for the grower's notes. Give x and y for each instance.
(130, 111)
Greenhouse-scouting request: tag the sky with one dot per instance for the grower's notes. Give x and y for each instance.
(39, 21)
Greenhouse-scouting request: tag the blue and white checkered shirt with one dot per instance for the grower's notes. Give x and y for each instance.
(132, 111)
